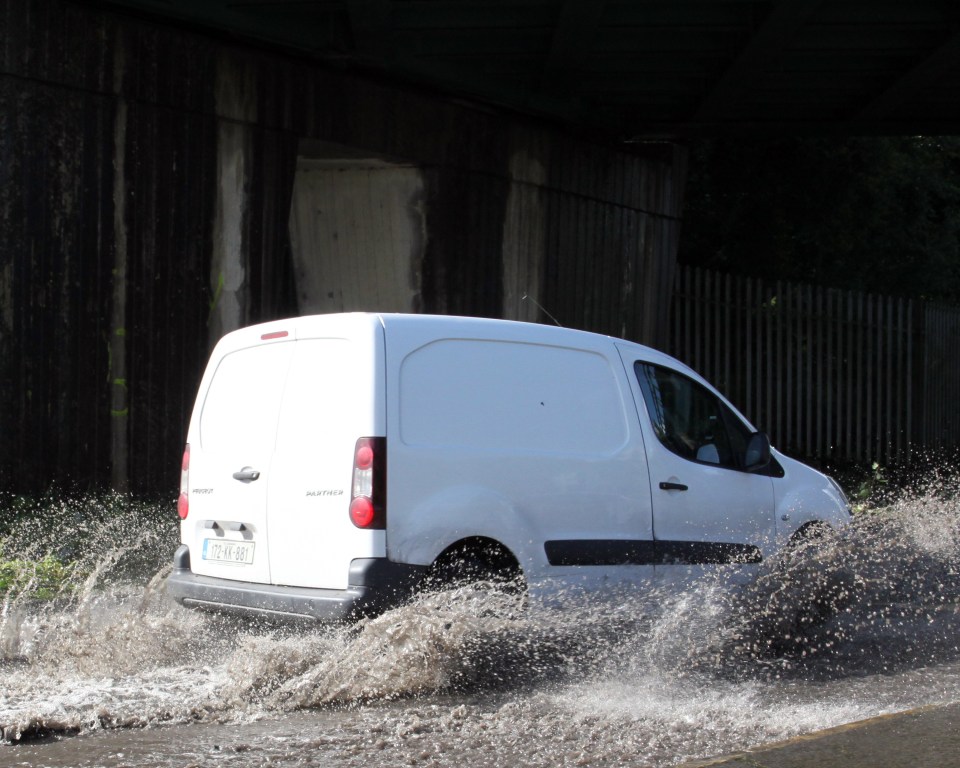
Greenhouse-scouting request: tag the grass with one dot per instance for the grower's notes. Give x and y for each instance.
(50, 544)
(42, 579)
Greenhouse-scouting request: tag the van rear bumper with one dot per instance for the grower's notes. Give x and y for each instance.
(375, 585)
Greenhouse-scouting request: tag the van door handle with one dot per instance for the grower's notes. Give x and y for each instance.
(246, 475)
(664, 486)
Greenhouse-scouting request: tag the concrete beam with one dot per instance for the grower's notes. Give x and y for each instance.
(764, 47)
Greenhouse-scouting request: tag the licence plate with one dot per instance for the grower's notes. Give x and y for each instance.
(229, 552)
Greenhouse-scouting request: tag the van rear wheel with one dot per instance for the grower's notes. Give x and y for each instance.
(478, 561)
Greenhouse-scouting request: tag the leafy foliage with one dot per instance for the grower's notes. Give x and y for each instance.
(52, 545)
(41, 579)
(873, 214)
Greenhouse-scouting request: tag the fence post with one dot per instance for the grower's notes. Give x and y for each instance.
(916, 419)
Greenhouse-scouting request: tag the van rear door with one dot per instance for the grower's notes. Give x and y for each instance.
(331, 399)
(231, 453)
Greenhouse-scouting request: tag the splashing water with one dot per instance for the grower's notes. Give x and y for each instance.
(852, 624)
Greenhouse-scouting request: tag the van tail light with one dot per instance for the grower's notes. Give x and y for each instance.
(368, 497)
(183, 503)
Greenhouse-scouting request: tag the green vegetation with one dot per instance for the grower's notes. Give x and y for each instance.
(873, 214)
(874, 486)
(43, 579)
(51, 545)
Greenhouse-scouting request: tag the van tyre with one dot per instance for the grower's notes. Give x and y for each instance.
(477, 563)
(796, 601)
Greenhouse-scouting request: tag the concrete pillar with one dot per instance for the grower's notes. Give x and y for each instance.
(524, 240)
(119, 399)
(236, 106)
(357, 233)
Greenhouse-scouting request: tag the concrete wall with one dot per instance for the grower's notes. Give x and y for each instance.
(357, 232)
(158, 188)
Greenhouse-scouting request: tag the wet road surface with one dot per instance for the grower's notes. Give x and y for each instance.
(113, 674)
(929, 737)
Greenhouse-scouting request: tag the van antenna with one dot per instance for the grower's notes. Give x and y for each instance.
(540, 307)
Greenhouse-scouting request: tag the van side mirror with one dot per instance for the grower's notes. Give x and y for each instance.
(757, 456)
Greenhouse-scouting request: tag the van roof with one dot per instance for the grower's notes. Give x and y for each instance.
(471, 326)
(435, 327)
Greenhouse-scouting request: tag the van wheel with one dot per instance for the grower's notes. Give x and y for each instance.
(813, 583)
(833, 581)
(480, 561)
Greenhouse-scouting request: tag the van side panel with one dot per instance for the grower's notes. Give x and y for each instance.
(496, 396)
(519, 441)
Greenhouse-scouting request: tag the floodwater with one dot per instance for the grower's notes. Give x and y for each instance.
(111, 673)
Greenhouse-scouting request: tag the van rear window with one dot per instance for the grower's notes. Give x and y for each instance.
(323, 396)
(511, 397)
(243, 401)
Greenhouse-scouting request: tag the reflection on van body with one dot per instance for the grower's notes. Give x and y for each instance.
(334, 463)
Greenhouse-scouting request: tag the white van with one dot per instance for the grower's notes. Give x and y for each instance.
(334, 462)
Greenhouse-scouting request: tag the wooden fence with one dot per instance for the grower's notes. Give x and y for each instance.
(829, 374)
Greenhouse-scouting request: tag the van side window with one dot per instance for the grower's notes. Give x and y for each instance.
(690, 420)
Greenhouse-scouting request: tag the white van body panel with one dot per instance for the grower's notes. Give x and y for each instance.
(518, 433)
(539, 439)
(804, 497)
(329, 401)
(290, 407)
(223, 441)
(717, 504)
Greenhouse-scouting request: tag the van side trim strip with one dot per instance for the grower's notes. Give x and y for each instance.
(706, 553)
(600, 552)
(647, 552)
